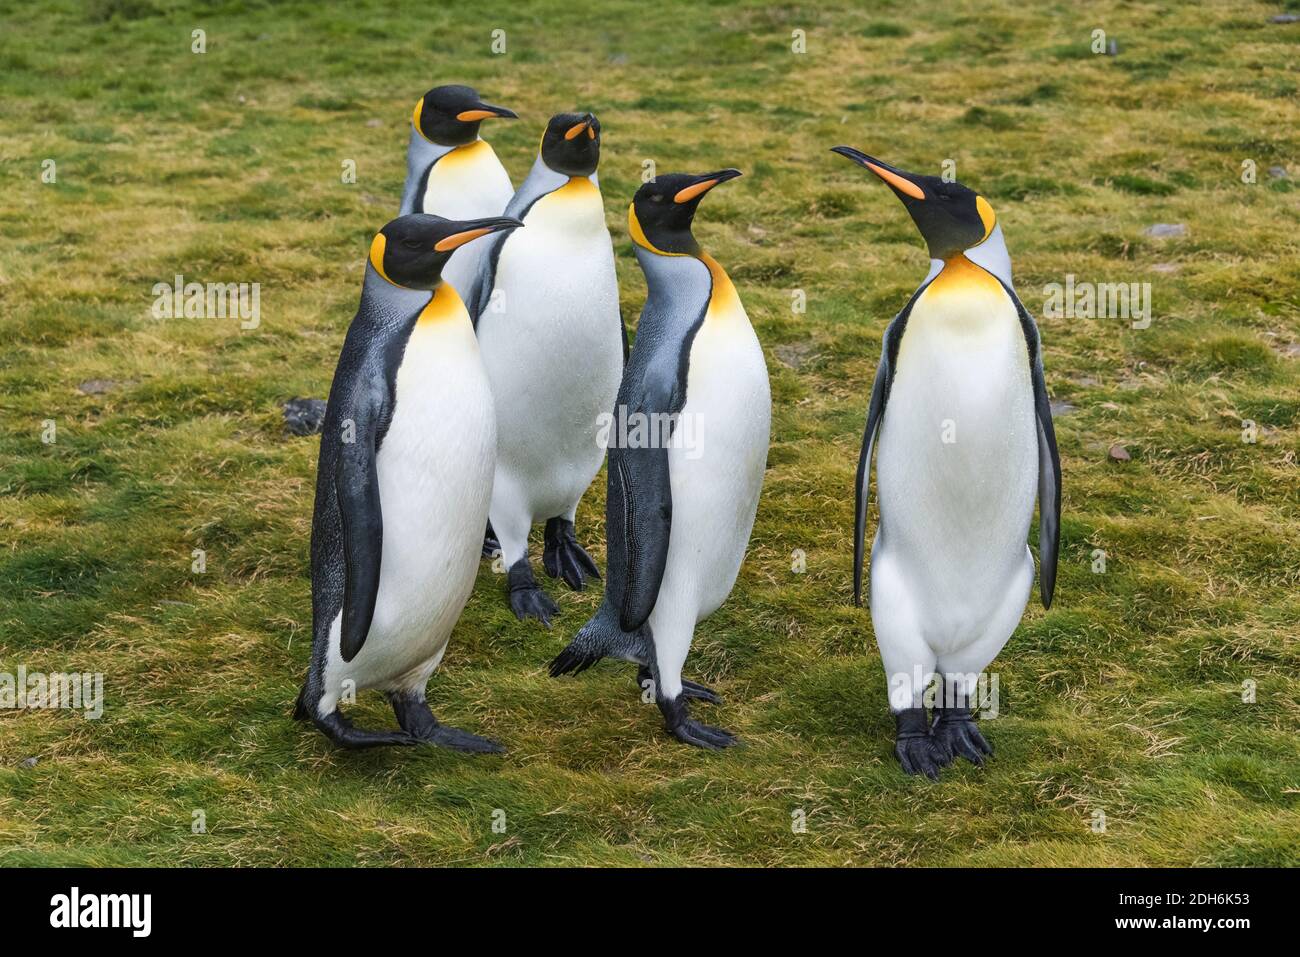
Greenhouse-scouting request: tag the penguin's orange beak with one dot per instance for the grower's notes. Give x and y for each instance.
(703, 184)
(576, 129)
(472, 229)
(486, 111)
(892, 176)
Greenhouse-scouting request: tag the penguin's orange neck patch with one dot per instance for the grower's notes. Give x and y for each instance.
(465, 156)
(724, 301)
(446, 305)
(579, 188)
(961, 276)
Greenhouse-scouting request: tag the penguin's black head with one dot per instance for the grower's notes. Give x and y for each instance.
(411, 250)
(571, 144)
(951, 217)
(450, 115)
(662, 210)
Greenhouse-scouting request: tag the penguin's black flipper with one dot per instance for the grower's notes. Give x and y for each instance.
(641, 492)
(1049, 489)
(879, 391)
(875, 414)
(640, 504)
(1049, 460)
(356, 485)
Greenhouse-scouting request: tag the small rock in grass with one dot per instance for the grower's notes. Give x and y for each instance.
(28, 762)
(1166, 268)
(1277, 172)
(1060, 407)
(793, 354)
(304, 416)
(96, 386)
(1118, 453)
(374, 123)
(1285, 18)
(1166, 230)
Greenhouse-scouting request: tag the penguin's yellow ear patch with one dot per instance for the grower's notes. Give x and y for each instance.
(987, 216)
(637, 233)
(448, 243)
(377, 248)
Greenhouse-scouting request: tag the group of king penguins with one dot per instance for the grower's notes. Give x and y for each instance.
(467, 404)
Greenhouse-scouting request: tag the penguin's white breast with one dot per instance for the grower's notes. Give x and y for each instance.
(435, 482)
(957, 459)
(467, 183)
(551, 339)
(719, 455)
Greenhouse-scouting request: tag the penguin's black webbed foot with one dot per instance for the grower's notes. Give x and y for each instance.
(445, 736)
(527, 600)
(956, 734)
(689, 731)
(690, 689)
(564, 558)
(342, 732)
(418, 722)
(491, 547)
(913, 747)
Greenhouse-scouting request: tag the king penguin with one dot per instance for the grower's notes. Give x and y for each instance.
(402, 488)
(679, 512)
(451, 172)
(960, 415)
(546, 310)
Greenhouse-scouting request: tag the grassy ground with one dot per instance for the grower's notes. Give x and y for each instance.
(1125, 699)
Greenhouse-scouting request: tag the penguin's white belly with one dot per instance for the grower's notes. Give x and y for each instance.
(435, 481)
(552, 344)
(716, 467)
(957, 470)
(467, 183)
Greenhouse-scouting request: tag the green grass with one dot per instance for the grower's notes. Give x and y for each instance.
(1124, 699)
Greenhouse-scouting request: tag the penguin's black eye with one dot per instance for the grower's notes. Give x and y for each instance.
(657, 198)
(410, 243)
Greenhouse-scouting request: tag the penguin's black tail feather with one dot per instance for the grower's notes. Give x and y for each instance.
(600, 637)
